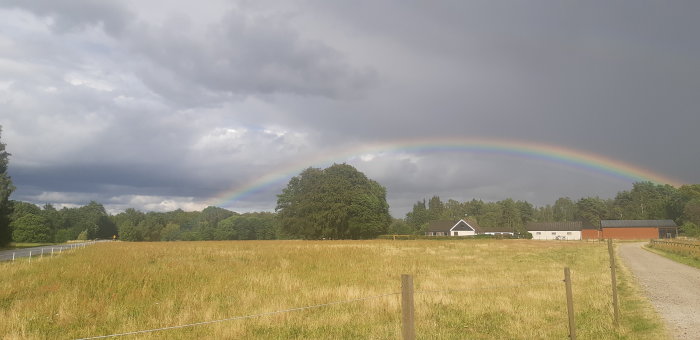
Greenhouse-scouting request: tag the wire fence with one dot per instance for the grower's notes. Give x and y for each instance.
(295, 309)
(333, 303)
(674, 243)
(451, 291)
(40, 252)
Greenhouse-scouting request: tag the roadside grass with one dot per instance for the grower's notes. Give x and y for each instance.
(687, 260)
(477, 289)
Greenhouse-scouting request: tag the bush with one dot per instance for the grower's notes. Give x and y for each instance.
(690, 229)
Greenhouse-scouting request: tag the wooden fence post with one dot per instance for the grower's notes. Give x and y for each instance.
(613, 277)
(570, 304)
(407, 308)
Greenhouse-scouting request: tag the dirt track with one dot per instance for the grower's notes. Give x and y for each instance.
(673, 288)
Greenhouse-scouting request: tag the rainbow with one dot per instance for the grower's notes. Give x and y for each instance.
(516, 148)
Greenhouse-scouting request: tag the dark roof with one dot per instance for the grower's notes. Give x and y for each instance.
(554, 226)
(637, 223)
(444, 225)
(495, 230)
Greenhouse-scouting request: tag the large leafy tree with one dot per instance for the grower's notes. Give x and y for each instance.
(564, 209)
(590, 210)
(31, 228)
(6, 189)
(647, 200)
(338, 202)
(418, 218)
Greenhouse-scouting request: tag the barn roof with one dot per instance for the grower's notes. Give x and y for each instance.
(554, 226)
(637, 223)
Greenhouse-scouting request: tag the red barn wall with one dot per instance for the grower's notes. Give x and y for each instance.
(631, 233)
(590, 234)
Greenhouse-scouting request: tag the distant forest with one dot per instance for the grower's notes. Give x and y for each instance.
(645, 200)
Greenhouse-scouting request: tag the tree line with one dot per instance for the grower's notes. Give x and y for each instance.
(645, 201)
(335, 220)
(334, 203)
(29, 223)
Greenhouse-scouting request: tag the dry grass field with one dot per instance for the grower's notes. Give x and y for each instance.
(465, 289)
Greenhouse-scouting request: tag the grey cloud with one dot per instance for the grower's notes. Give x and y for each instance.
(242, 56)
(75, 15)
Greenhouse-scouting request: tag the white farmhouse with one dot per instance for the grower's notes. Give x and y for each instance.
(451, 228)
(463, 228)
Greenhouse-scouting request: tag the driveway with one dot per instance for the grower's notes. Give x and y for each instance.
(673, 288)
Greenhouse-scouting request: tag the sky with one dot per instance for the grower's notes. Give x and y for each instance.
(163, 105)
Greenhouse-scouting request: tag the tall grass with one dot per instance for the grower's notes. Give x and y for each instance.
(683, 251)
(477, 289)
(689, 249)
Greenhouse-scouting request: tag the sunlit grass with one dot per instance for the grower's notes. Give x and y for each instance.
(478, 289)
(681, 254)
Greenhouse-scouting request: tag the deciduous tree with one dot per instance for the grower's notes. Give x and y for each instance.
(338, 202)
(31, 228)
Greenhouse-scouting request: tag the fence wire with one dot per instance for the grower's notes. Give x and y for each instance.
(241, 317)
(296, 309)
(467, 290)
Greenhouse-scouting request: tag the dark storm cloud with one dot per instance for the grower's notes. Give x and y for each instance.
(241, 55)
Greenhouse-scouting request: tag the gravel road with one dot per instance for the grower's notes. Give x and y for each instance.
(673, 288)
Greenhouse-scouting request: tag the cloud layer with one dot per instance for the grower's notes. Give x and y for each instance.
(166, 105)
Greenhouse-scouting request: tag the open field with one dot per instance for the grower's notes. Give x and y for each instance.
(477, 289)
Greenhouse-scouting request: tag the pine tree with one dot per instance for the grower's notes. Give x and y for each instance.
(6, 189)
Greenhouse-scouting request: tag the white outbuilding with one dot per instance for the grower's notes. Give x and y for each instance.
(555, 230)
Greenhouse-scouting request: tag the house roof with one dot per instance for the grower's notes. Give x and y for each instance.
(447, 225)
(444, 225)
(637, 223)
(554, 226)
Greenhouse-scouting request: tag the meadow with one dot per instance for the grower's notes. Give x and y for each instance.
(475, 289)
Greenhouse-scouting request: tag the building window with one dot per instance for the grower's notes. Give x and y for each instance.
(568, 233)
(554, 233)
(538, 233)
